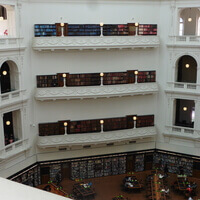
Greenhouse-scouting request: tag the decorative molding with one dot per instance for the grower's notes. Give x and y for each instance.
(182, 132)
(183, 88)
(11, 44)
(14, 149)
(13, 98)
(94, 42)
(95, 138)
(184, 41)
(95, 91)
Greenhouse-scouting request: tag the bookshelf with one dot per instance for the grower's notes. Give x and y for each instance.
(147, 29)
(47, 81)
(98, 167)
(145, 121)
(49, 129)
(47, 30)
(83, 30)
(44, 30)
(115, 124)
(83, 79)
(174, 162)
(139, 162)
(85, 126)
(113, 78)
(146, 76)
(107, 167)
(93, 79)
(54, 170)
(115, 30)
(93, 125)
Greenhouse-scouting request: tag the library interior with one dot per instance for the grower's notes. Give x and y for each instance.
(100, 99)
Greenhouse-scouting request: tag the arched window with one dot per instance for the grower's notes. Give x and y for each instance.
(9, 77)
(189, 21)
(187, 69)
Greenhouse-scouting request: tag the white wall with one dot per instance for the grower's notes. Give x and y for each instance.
(38, 63)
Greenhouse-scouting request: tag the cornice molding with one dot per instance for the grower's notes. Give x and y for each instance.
(95, 91)
(95, 138)
(94, 42)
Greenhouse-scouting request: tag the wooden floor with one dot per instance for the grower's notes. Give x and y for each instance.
(108, 187)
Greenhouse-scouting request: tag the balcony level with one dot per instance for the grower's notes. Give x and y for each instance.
(183, 88)
(14, 148)
(96, 138)
(44, 94)
(95, 85)
(11, 44)
(182, 132)
(14, 97)
(96, 131)
(94, 43)
(64, 36)
(184, 41)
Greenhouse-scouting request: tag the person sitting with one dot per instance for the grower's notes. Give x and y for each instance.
(128, 184)
(194, 185)
(160, 176)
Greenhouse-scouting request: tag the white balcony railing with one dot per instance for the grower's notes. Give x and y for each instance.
(13, 149)
(94, 42)
(183, 87)
(10, 43)
(12, 97)
(82, 92)
(182, 132)
(189, 40)
(95, 138)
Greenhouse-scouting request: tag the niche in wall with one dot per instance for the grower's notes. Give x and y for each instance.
(187, 69)
(185, 113)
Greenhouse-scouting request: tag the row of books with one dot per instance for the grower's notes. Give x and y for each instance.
(174, 163)
(87, 126)
(42, 30)
(98, 167)
(92, 79)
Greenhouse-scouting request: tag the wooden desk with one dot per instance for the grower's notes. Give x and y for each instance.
(156, 187)
(51, 187)
(134, 181)
(182, 183)
(84, 192)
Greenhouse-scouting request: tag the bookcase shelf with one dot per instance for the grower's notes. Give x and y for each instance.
(93, 79)
(98, 167)
(44, 30)
(92, 126)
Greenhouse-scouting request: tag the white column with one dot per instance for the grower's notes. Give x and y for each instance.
(197, 115)
(2, 137)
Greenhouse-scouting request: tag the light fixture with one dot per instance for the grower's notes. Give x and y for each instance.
(4, 73)
(101, 29)
(64, 75)
(62, 24)
(7, 123)
(134, 118)
(189, 17)
(65, 124)
(136, 72)
(101, 121)
(136, 24)
(101, 74)
(187, 65)
(1, 18)
(184, 108)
